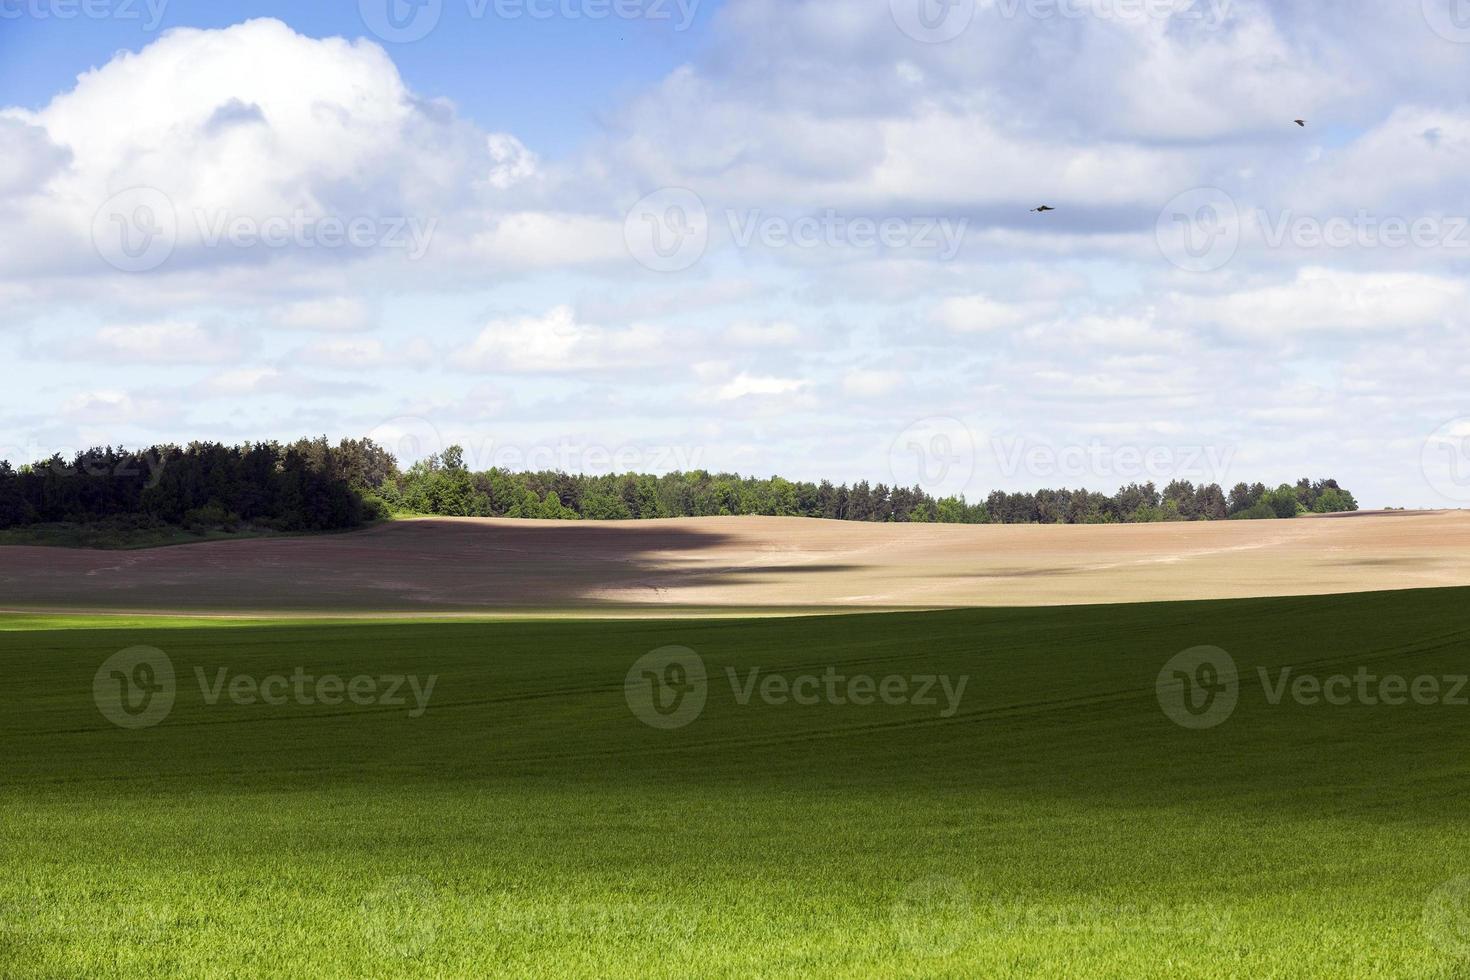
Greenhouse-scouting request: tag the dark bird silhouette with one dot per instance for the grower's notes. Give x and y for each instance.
(1300, 122)
(1042, 209)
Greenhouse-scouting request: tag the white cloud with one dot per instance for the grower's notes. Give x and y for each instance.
(336, 314)
(1319, 300)
(981, 314)
(556, 342)
(868, 383)
(365, 352)
(776, 333)
(113, 407)
(746, 385)
(159, 343)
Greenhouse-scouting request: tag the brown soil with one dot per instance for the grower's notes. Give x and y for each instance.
(747, 564)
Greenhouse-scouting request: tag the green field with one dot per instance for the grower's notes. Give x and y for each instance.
(528, 823)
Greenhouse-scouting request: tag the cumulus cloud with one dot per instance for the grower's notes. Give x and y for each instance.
(336, 314)
(747, 385)
(555, 342)
(1325, 300)
(982, 314)
(1078, 320)
(165, 342)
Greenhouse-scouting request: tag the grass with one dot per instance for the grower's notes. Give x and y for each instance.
(529, 824)
(125, 535)
(119, 537)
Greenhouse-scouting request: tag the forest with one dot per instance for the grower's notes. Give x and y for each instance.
(313, 485)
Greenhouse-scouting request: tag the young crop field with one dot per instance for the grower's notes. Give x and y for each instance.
(1234, 788)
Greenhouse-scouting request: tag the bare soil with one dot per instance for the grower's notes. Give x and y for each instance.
(743, 564)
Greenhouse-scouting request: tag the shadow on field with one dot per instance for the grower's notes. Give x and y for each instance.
(407, 566)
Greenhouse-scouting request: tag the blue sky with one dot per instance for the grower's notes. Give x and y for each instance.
(784, 236)
(548, 78)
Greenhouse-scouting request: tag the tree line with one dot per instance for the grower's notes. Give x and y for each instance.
(442, 484)
(312, 485)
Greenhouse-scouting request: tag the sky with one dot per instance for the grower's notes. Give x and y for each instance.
(764, 236)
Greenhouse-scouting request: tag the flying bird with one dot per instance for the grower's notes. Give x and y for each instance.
(1043, 208)
(1300, 122)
